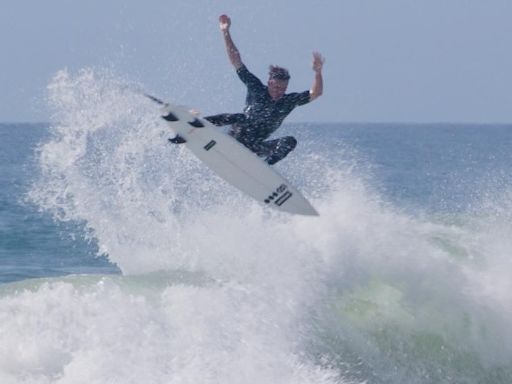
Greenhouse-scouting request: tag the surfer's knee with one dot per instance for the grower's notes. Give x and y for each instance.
(287, 144)
(290, 142)
(284, 147)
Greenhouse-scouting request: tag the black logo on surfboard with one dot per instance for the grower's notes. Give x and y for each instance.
(210, 145)
(279, 196)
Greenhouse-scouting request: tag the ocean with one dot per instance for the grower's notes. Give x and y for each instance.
(124, 260)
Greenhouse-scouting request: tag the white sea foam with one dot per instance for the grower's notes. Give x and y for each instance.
(217, 289)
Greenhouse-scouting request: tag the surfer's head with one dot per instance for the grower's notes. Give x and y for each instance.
(279, 73)
(277, 81)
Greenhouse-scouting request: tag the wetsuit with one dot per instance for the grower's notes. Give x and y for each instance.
(261, 117)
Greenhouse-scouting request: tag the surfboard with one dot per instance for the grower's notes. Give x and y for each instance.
(232, 161)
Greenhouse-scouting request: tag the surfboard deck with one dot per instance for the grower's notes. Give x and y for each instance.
(233, 162)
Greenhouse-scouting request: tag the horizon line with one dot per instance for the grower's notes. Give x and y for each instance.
(356, 122)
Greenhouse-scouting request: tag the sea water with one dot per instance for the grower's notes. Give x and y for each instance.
(124, 260)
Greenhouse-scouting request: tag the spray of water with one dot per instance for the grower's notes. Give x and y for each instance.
(216, 289)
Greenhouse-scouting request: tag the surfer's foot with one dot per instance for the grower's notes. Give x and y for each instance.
(177, 140)
(194, 112)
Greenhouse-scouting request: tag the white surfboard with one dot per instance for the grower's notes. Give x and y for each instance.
(233, 162)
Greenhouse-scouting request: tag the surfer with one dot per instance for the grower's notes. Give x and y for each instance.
(266, 105)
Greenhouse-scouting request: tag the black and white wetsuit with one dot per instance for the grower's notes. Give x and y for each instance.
(262, 116)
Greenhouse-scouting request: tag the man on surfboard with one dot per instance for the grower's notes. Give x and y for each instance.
(266, 105)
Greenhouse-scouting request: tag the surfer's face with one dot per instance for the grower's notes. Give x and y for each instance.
(277, 88)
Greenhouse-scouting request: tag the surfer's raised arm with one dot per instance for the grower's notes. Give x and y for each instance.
(233, 53)
(318, 83)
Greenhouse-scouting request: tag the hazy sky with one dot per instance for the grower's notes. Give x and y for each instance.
(386, 60)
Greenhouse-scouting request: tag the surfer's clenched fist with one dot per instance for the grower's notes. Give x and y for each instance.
(225, 22)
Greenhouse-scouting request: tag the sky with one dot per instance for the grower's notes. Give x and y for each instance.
(386, 60)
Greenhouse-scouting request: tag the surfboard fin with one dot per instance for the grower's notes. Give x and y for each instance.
(196, 123)
(171, 117)
(177, 140)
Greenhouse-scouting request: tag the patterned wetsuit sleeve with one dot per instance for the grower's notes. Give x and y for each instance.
(300, 98)
(248, 78)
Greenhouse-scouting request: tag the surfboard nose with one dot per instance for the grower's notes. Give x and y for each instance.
(304, 209)
(311, 212)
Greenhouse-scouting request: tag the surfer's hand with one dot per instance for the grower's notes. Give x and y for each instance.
(318, 62)
(224, 22)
